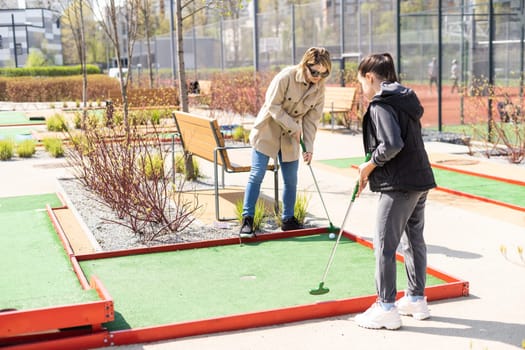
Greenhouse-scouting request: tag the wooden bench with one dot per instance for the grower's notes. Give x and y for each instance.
(202, 137)
(339, 100)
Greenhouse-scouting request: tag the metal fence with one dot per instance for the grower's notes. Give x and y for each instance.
(485, 38)
(480, 39)
(283, 36)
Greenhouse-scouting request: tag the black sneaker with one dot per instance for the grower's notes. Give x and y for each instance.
(247, 230)
(291, 224)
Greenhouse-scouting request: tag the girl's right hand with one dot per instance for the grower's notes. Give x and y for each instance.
(364, 171)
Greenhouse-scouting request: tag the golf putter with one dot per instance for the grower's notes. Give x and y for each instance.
(331, 228)
(322, 289)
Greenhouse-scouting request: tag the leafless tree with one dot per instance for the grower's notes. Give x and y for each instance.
(117, 19)
(74, 19)
(183, 11)
(145, 10)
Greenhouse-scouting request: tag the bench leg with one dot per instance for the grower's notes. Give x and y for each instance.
(216, 184)
(216, 187)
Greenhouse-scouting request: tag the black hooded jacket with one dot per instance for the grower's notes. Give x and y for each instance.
(392, 134)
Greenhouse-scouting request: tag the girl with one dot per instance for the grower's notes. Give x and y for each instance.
(400, 171)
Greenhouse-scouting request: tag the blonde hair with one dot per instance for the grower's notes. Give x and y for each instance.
(316, 55)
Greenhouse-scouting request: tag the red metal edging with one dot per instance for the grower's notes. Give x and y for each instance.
(472, 173)
(473, 196)
(482, 199)
(99, 337)
(199, 244)
(44, 323)
(452, 288)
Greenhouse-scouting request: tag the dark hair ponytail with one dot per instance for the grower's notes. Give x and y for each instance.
(381, 64)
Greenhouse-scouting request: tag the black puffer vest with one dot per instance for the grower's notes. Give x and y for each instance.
(409, 169)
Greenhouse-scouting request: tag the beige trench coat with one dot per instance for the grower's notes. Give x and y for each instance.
(291, 105)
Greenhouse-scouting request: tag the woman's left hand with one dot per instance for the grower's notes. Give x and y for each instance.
(307, 157)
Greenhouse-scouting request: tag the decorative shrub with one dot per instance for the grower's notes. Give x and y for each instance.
(54, 146)
(56, 122)
(80, 144)
(258, 217)
(152, 165)
(180, 167)
(77, 120)
(239, 92)
(240, 134)
(155, 116)
(301, 206)
(49, 71)
(300, 209)
(149, 207)
(6, 149)
(26, 148)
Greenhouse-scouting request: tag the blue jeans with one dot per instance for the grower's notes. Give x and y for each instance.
(257, 172)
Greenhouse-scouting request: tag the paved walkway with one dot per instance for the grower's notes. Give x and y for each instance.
(463, 236)
(463, 240)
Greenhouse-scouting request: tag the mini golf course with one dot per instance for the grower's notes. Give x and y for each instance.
(40, 291)
(150, 294)
(16, 126)
(498, 191)
(11, 118)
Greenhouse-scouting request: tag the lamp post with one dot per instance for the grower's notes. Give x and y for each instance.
(14, 39)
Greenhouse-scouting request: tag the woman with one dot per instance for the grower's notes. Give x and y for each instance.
(292, 108)
(400, 171)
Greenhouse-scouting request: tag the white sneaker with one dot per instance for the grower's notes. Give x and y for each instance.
(417, 309)
(376, 317)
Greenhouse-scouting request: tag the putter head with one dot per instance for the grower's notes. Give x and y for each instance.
(320, 290)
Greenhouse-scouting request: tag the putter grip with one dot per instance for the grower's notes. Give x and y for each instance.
(356, 187)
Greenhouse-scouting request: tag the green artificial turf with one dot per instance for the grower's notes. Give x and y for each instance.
(475, 185)
(343, 162)
(487, 188)
(180, 286)
(13, 118)
(12, 131)
(36, 271)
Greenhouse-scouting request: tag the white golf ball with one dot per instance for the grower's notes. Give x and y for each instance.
(331, 235)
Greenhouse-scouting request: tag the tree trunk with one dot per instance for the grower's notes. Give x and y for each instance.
(183, 89)
(83, 63)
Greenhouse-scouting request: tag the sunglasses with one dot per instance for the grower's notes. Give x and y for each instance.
(316, 73)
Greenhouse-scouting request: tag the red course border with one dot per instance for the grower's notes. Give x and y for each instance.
(473, 196)
(452, 288)
(100, 337)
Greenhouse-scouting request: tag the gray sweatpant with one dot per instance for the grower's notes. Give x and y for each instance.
(398, 212)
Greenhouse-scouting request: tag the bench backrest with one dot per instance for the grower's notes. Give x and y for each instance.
(339, 97)
(201, 136)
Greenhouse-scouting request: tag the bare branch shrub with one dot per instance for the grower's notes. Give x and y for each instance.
(499, 136)
(131, 173)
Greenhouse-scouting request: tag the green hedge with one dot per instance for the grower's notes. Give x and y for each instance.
(50, 71)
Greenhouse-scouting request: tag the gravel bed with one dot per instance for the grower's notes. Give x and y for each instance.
(101, 222)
